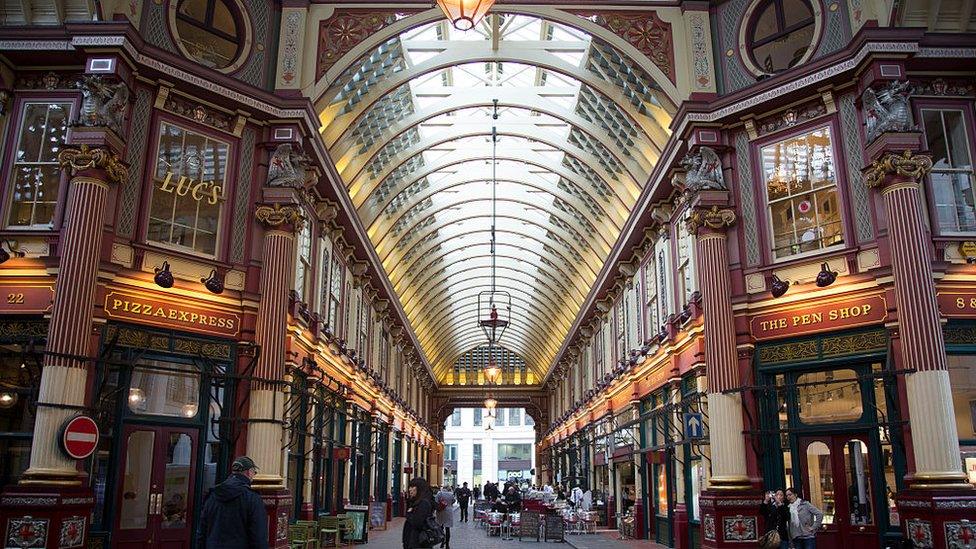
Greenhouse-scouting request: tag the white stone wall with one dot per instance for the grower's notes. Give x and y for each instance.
(467, 435)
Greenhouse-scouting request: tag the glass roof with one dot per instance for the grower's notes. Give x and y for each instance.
(580, 126)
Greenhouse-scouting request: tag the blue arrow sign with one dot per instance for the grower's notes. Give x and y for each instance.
(694, 427)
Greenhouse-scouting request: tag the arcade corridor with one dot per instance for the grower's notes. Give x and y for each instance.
(698, 251)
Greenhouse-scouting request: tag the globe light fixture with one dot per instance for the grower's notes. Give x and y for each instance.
(465, 14)
(492, 371)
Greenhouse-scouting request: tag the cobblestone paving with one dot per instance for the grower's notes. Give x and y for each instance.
(468, 536)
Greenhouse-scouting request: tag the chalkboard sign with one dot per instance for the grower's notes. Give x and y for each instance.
(377, 515)
(356, 514)
(555, 528)
(530, 525)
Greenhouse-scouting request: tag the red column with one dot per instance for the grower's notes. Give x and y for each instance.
(53, 491)
(939, 496)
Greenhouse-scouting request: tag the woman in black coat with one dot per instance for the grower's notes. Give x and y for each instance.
(777, 514)
(420, 506)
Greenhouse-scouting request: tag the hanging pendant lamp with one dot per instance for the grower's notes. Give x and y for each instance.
(465, 14)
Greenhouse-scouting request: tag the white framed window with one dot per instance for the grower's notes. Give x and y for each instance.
(325, 262)
(620, 325)
(951, 177)
(687, 284)
(188, 191)
(335, 294)
(800, 178)
(652, 317)
(35, 177)
(303, 262)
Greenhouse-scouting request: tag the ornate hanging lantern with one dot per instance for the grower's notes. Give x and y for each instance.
(490, 403)
(465, 14)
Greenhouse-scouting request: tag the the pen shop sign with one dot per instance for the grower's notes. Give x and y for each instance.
(132, 307)
(815, 318)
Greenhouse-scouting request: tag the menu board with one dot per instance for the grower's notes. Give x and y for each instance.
(530, 525)
(357, 514)
(555, 528)
(377, 515)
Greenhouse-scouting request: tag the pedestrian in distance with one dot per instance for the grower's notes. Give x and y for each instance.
(420, 506)
(463, 495)
(233, 515)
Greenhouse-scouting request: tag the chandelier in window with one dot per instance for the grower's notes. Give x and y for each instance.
(465, 14)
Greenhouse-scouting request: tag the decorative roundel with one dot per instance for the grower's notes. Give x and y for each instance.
(214, 33)
(776, 35)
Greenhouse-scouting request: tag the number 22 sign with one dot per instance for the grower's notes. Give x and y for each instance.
(26, 299)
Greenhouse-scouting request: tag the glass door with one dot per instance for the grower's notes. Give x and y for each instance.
(156, 484)
(836, 478)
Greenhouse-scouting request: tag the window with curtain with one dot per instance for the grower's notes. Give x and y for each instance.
(36, 177)
(801, 191)
(951, 177)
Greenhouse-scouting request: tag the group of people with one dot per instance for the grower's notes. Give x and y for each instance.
(505, 500)
(794, 520)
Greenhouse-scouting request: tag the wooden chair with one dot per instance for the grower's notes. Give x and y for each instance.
(329, 530)
(300, 537)
(311, 530)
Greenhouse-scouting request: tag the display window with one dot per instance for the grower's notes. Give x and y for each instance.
(962, 379)
(951, 180)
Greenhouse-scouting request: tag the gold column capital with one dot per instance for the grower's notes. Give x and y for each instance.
(287, 218)
(714, 218)
(906, 165)
(83, 157)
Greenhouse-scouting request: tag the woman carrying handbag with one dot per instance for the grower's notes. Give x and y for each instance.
(777, 515)
(419, 530)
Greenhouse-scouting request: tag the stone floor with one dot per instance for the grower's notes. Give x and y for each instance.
(468, 536)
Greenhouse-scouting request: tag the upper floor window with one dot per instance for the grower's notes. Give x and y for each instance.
(529, 422)
(477, 417)
(500, 417)
(781, 33)
(303, 262)
(651, 318)
(620, 323)
(801, 190)
(188, 190)
(686, 262)
(514, 417)
(952, 169)
(335, 294)
(364, 314)
(456, 418)
(325, 262)
(36, 177)
(211, 32)
(450, 452)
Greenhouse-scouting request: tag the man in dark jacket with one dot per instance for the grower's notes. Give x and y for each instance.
(463, 496)
(233, 516)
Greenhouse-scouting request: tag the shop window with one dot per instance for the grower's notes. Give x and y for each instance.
(211, 32)
(303, 262)
(17, 380)
(189, 188)
(833, 396)
(821, 476)
(801, 190)
(780, 34)
(962, 378)
(661, 476)
(36, 177)
(164, 389)
(951, 177)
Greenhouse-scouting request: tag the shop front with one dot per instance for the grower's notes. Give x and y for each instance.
(830, 412)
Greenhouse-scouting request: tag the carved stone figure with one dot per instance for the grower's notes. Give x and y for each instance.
(288, 167)
(704, 170)
(103, 103)
(886, 109)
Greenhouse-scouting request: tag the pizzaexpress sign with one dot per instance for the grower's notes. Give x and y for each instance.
(126, 306)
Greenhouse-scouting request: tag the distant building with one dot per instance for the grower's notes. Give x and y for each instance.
(475, 455)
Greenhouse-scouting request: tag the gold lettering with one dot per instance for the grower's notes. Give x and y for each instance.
(160, 312)
(230, 324)
(165, 186)
(172, 314)
(116, 303)
(182, 189)
(216, 193)
(196, 189)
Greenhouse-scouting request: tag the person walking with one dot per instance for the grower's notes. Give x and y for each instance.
(476, 492)
(420, 506)
(444, 514)
(777, 514)
(463, 495)
(233, 516)
(805, 520)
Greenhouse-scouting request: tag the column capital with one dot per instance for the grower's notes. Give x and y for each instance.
(288, 217)
(82, 158)
(715, 218)
(907, 167)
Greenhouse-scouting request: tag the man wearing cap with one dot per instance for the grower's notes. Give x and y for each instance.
(233, 516)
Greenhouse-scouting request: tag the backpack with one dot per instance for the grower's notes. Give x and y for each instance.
(431, 535)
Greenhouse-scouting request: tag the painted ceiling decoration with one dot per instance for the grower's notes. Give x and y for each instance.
(580, 125)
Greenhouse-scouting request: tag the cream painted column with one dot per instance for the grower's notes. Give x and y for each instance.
(265, 434)
(65, 373)
(721, 362)
(935, 439)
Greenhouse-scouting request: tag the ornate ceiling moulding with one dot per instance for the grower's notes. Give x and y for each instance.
(327, 211)
(339, 34)
(642, 29)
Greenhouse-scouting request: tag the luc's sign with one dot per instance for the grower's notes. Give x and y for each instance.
(811, 319)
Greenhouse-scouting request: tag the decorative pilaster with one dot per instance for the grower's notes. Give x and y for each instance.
(935, 439)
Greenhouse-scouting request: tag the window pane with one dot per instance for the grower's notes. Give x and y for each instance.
(36, 177)
(802, 193)
(821, 479)
(176, 483)
(829, 397)
(189, 186)
(858, 474)
(134, 512)
(165, 389)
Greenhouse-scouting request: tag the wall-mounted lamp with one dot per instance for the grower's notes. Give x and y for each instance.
(214, 282)
(4, 255)
(163, 277)
(779, 287)
(826, 277)
(7, 400)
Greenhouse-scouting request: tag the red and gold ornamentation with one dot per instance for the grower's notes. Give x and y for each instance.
(642, 29)
(344, 30)
(87, 158)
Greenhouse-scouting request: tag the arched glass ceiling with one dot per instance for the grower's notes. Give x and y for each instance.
(409, 127)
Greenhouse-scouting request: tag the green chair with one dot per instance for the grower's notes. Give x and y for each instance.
(299, 537)
(329, 532)
(311, 527)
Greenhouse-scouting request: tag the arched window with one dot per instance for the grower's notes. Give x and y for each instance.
(780, 33)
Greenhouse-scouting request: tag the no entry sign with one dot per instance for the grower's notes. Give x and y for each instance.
(79, 437)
